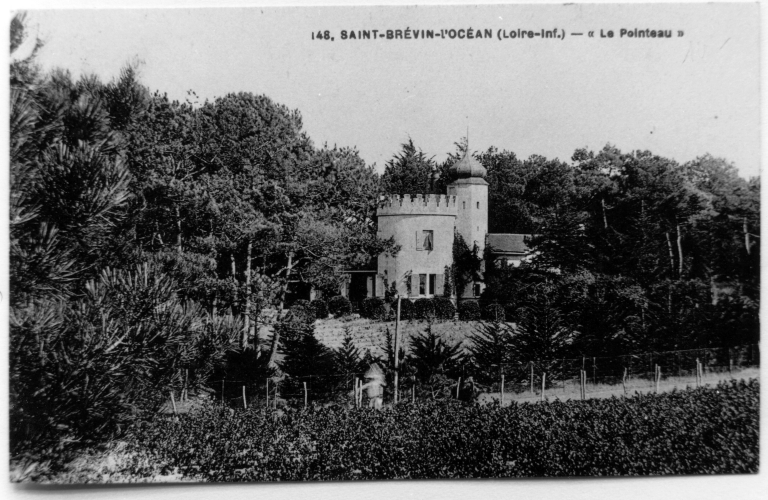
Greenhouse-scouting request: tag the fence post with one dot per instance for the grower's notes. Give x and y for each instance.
(397, 346)
(245, 405)
(222, 391)
(624, 382)
(501, 394)
(305, 395)
(730, 362)
(531, 377)
(277, 394)
(413, 391)
(458, 386)
(354, 392)
(543, 384)
(173, 402)
(594, 372)
(582, 376)
(698, 373)
(266, 405)
(657, 377)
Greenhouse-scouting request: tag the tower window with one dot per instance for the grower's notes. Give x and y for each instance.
(478, 204)
(425, 240)
(429, 238)
(464, 205)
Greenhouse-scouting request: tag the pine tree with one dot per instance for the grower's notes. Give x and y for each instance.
(491, 350)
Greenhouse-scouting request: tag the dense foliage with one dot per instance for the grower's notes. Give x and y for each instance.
(701, 431)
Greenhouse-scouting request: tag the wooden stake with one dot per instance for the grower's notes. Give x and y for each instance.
(397, 345)
(355, 392)
(501, 394)
(543, 384)
(658, 377)
(413, 394)
(173, 402)
(222, 391)
(245, 405)
(458, 386)
(531, 377)
(277, 394)
(267, 400)
(624, 382)
(305, 395)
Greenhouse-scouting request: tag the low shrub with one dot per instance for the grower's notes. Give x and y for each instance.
(469, 310)
(444, 308)
(423, 309)
(510, 313)
(494, 312)
(373, 308)
(697, 431)
(319, 308)
(301, 311)
(339, 306)
(406, 309)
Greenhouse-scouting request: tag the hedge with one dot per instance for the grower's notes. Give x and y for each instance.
(373, 308)
(494, 312)
(320, 308)
(695, 431)
(423, 309)
(339, 306)
(469, 310)
(444, 308)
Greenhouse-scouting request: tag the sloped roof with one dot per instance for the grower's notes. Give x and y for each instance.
(508, 243)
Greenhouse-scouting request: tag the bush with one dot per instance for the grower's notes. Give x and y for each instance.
(510, 313)
(423, 309)
(373, 308)
(82, 371)
(469, 310)
(406, 309)
(320, 308)
(444, 308)
(494, 312)
(339, 306)
(301, 311)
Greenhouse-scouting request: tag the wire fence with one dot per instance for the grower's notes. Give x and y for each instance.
(568, 378)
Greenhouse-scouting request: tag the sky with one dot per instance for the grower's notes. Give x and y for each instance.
(679, 97)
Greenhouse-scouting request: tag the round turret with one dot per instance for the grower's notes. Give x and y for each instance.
(467, 168)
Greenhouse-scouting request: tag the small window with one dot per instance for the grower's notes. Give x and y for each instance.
(478, 204)
(432, 280)
(476, 289)
(428, 238)
(464, 205)
(422, 284)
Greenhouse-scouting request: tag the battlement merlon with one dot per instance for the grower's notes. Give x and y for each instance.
(417, 204)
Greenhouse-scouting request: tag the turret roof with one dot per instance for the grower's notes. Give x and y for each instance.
(467, 168)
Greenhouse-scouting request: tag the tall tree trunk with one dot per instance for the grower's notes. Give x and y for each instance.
(247, 314)
(680, 251)
(746, 237)
(276, 333)
(178, 228)
(605, 218)
(671, 254)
